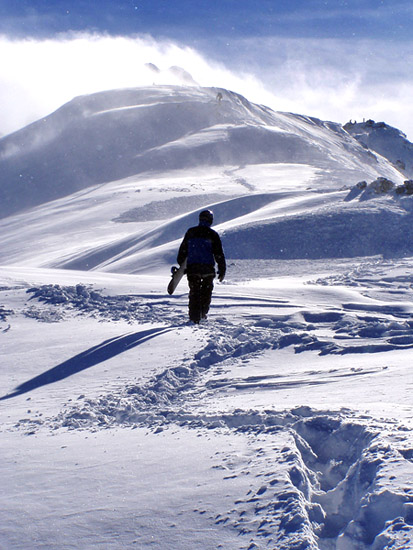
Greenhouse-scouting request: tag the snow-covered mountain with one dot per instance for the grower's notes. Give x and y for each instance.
(282, 422)
(122, 172)
(108, 136)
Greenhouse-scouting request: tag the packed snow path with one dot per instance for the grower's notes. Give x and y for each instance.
(294, 398)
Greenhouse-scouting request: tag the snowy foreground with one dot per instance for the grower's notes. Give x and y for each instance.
(283, 422)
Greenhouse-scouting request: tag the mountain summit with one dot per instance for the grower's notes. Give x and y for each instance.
(112, 180)
(112, 135)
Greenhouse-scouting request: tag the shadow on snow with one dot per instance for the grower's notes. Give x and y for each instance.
(89, 358)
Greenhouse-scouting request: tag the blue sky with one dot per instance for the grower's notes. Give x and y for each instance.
(190, 19)
(336, 60)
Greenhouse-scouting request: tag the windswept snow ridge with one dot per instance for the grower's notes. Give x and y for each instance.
(126, 171)
(122, 133)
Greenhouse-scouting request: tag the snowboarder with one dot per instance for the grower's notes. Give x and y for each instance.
(201, 248)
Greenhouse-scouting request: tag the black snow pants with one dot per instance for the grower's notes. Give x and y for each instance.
(200, 292)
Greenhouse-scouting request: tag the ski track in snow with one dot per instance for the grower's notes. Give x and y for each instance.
(318, 479)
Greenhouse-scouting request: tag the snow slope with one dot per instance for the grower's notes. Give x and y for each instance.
(283, 422)
(108, 136)
(177, 150)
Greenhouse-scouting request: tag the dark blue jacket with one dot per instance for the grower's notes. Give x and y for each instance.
(202, 247)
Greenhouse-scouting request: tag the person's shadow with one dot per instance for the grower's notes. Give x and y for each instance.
(93, 356)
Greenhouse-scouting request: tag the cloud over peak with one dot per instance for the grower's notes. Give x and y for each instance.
(328, 79)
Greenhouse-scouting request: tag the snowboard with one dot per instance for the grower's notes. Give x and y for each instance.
(177, 274)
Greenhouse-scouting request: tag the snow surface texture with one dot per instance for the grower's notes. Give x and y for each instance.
(284, 421)
(312, 452)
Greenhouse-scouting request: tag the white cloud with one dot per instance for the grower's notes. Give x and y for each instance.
(325, 79)
(335, 79)
(37, 77)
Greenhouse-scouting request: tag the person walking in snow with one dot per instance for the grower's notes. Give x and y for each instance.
(202, 248)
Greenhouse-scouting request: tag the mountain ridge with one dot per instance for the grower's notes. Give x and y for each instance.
(110, 182)
(111, 135)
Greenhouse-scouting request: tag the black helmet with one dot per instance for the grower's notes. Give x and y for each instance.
(206, 216)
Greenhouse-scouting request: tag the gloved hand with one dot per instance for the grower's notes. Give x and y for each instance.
(221, 276)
